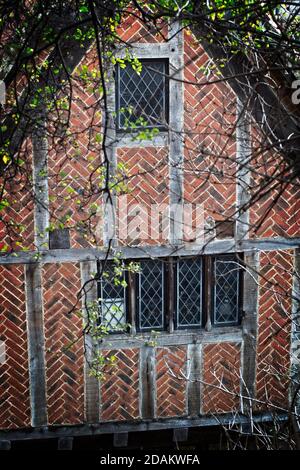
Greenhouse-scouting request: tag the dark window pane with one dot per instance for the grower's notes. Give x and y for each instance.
(142, 96)
(112, 300)
(189, 293)
(226, 291)
(151, 295)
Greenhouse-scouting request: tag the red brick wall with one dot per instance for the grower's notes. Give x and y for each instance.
(64, 361)
(148, 185)
(14, 379)
(274, 326)
(277, 211)
(120, 387)
(221, 377)
(171, 381)
(17, 221)
(209, 170)
(133, 30)
(74, 160)
(209, 117)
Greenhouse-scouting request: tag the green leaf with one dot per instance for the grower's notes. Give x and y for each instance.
(83, 9)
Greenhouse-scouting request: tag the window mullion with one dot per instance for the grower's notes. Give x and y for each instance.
(170, 297)
(131, 296)
(208, 283)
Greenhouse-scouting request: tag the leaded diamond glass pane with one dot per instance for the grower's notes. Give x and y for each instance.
(189, 293)
(151, 295)
(142, 98)
(226, 291)
(112, 300)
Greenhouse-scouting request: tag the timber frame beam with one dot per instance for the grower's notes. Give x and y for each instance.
(50, 432)
(90, 254)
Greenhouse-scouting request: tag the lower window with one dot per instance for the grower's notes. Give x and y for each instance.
(173, 293)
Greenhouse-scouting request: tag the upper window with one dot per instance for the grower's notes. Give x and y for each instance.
(142, 99)
(187, 292)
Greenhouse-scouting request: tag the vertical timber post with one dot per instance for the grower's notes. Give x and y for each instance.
(91, 384)
(194, 377)
(40, 183)
(36, 344)
(110, 198)
(33, 275)
(147, 382)
(176, 138)
(243, 156)
(250, 325)
(295, 348)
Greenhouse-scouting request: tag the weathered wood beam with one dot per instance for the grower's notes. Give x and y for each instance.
(147, 382)
(40, 184)
(250, 326)
(138, 426)
(295, 346)
(91, 384)
(36, 344)
(176, 146)
(179, 337)
(109, 143)
(194, 377)
(243, 156)
(90, 254)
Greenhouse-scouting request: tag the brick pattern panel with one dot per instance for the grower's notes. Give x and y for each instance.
(64, 364)
(148, 193)
(14, 378)
(120, 386)
(221, 377)
(277, 213)
(209, 119)
(133, 29)
(171, 381)
(274, 326)
(17, 220)
(74, 165)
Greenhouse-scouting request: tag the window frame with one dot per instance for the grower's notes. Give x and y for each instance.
(166, 95)
(239, 293)
(137, 313)
(170, 294)
(102, 267)
(201, 324)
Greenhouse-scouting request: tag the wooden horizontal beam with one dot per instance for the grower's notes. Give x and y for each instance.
(229, 334)
(95, 429)
(89, 254)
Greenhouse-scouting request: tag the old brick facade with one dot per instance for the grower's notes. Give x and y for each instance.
(186, 372)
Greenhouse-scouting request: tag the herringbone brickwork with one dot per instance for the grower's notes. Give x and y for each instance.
(17, 221)
(276, 212)
(133, 29)
(171, 381)
(75, 164)
(14, 379)
(149, 193)
(274, 326)
(221, 377)
(75, 192)
(209, 117)
(64, 360)
(120, 387)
